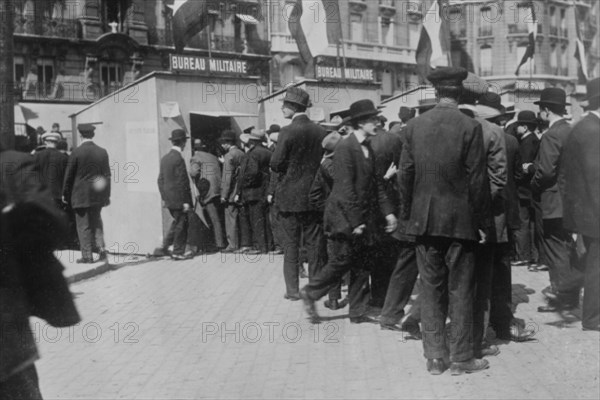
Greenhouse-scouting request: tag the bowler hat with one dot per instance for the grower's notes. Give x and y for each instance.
(86, 128)
(273, 128)
(248, 129)
(228, 136)
(553, 96)
(362, 109)
(297, 96)
(406, 113)
(40, 130)
(447, 76)
(51, 137)
(331, 140)
(527, 117)
(593, 89)
(178, 134)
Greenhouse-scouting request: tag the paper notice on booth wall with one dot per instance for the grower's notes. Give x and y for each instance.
(170, 109)
(141, 169)
(316, 114)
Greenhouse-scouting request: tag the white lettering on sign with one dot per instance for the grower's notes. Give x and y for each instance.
(355, 74)
(200, 64)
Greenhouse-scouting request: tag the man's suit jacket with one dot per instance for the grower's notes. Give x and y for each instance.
(358, 195)
(322, 185)
(205, 170)
(443, 178)
(231, 172)
(528, 149)
(297, 157)
(544, 184)
(52, 164)
(514, 171)
(173, 181)
(580, 178)
(255, 191)
(87, 164)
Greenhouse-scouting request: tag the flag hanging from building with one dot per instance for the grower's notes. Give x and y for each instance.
(189, 18)
(433, 49)
(532, 33)
(581, 14)
(314, 24)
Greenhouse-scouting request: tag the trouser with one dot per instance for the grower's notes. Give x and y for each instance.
(213, 211)
(446, 268)
(524, 236)
(89, 230)
(347, 256)
(383, 262)
(275, 224)
(177, 235)
(245, 228)
(501, 314)
(23, 385)
(560, 257)
(538, 229)
(401, 284)
(257, 212)
(591, 298)
(231, 225)
(328, 247)
(294, 226)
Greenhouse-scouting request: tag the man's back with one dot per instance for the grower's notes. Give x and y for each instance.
(87, 164)
(173, 181)
(52, 164)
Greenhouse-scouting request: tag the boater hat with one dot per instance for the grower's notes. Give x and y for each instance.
(51, 137)
(362, 109)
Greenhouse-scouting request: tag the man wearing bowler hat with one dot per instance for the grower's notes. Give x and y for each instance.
(357, 213)
(174, 187)
(231, 170)
(297, 158)
(557, 245)
(445, 196)
(86, 189)
(580, 179)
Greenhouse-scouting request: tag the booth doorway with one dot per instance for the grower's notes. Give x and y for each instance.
(208, 126)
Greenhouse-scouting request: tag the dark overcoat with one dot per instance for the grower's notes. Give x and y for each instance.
(88, 164)
(173, 181)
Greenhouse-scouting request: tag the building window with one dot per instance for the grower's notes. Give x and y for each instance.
(553, 24)
(114, 13)
(486, 22)
(356, 27)
(485, 61)
(563, 24)
(387, 32)
(19, 70)
(45, 74)
(528, 67)
(564, 63)
(111, 76)
(458, 26)
(414, 32)
(554, 61)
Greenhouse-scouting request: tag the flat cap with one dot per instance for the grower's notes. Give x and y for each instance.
(448, 76)
(86, 128)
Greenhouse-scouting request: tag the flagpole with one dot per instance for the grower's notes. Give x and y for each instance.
(343, 58)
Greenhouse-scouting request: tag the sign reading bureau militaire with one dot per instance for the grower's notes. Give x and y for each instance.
(348, 74)
(206, 65)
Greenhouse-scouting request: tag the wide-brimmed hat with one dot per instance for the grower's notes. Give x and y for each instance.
(331, 141)
(489, 105)
(297, 96)
(51, 137)
(273, 128)
(592, 89)
(362, 109)
(527, 117)
(334, 124)
(447, 76)
(228, 136)
(248, 129)
(86, 128)
(178, 134)
(256, 135)
(555, 96)
(474, 84)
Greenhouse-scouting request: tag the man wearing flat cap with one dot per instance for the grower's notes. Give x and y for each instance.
(86, 189)
(444, 151)
(297, 158)
(580, 184)
(557, 245)
(174, 187)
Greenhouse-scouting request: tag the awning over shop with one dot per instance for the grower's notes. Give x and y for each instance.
(248, 19)
(225, 114)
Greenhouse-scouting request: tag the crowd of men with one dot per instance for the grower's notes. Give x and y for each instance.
(440, 206)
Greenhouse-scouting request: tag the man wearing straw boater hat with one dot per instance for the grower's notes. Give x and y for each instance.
(557, 244)
(174, 187)
(356, 214)
(86, 189)
(297, 158)
(52, 164)
(444, 151)
(580, 174)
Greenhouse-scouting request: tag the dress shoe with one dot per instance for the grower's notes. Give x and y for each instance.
(412, 329)
(160, 252)
(178, 257)
(391, 327)
(470, 366)
(309, 307)
(332, 304)
(228, 250)
(488, 350)
(364, 319)
(550, 293)
(518, 263)
(293, 297)
(84, 260)
(253, 252)
(516, 333)
(103, 256)
(541, 267)
(243, 249)
(556, 307)
(590, 328)
(277, 252)
(436, 366)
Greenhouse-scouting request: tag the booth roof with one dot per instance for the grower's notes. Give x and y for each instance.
(390, 99)
(282, 91)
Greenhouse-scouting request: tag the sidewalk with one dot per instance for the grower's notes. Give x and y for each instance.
(77, 272)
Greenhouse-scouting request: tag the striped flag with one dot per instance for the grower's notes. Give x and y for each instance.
(190, 17)
(532, 30)
(580, 17)
(433, 49)
(314, 24)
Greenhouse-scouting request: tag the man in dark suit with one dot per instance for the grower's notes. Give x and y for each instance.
(446, 199)
(297, 158)
(356, 213)
(252, 188)
(580, 184)
(274, 215)
(52, 164)
(529, 144)
(86, 189)
(174, 187)
(231, 170)
(557, 244)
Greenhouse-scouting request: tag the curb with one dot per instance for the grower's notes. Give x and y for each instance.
(103, 268)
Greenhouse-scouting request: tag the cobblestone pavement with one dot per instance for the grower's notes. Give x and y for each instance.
(218, 327)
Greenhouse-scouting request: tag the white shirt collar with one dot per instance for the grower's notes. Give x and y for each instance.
(178, 149)
(526, 134)
(596, 113)
(84, 140)
(297, 115)
(360, 136)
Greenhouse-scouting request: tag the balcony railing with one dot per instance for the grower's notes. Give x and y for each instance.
(218, 43)
(50, 27)
(485, 31)
(517, 29)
